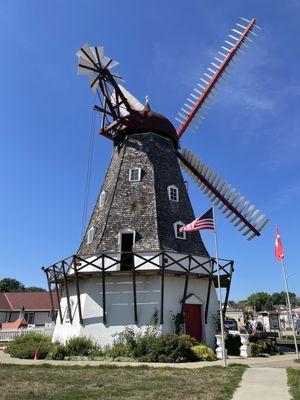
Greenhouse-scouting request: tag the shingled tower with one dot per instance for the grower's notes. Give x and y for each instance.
(143, 201)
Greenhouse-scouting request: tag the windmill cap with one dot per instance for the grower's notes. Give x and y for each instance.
(147, 120)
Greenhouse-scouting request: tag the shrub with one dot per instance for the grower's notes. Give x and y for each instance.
(233, 344)
(81, 346)
(203, 353)
(261, 347)
(57, 352)
(152, 347)
(25, 346)
(118, 350)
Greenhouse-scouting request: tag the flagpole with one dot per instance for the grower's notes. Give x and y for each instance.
(219, 287)
(289, 306)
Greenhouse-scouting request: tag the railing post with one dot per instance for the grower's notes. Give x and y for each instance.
(187, 275)
(162, 290)
(77, 291)
(209, 290)
(50, 293)
(103, 290)
(67, 291)
(134, 292)
(57, 294)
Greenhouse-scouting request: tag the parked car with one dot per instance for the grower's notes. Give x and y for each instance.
(231, 325)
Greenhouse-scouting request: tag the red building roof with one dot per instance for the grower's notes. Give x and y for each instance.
(11, 326)
(15, 301)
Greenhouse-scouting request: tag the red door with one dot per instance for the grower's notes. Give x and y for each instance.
(193, 320)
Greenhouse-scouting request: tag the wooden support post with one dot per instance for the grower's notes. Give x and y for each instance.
(209, 290)
(228, 288)
(57, 294)
(162, 290)
(67, 292)
(50, 294)
(77, 291)
(103, 291)
(134, 294)
(187, 275)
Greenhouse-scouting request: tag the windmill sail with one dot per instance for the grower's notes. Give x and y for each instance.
(236, 208)
(132, 101)
(194, 110)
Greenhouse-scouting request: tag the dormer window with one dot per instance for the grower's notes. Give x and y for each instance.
(90, 235)
(173, 193)
(179, 235)
(102, 198)
(135, 174)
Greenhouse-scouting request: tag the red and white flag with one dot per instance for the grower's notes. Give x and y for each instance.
(279, 250)
(206, 221)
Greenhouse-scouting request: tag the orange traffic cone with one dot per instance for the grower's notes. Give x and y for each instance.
(36, 355)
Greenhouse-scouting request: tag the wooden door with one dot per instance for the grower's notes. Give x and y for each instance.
(193, 320)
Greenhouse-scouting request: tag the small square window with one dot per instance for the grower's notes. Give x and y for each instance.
(90, 235)
(178, 234)
(173, 193)
(135, 174)
(102, 199)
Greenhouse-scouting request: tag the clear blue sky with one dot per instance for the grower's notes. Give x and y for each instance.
(250, 136)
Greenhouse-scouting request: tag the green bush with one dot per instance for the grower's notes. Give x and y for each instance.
(118, 350)
(25, 346)
(261, 347)
(233, 344)
(153, 347)
(57, 352)
(81, 346)
(203, 353)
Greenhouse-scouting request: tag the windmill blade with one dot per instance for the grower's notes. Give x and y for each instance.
(233, 205)
(133, 102)
(239, 39)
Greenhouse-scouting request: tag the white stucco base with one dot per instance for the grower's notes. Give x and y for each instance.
(119, 305)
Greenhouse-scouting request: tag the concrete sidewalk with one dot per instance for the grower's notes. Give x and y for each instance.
(263, 383)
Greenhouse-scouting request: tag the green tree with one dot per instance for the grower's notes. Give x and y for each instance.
(260, 301)
(279, 298)
(34, 289)
(11, 285)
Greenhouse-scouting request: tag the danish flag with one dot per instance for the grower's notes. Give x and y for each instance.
(279, 250)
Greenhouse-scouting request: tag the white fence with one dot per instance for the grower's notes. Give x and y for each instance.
(7, 336)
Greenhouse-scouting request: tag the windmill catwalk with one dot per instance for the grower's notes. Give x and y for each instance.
(134, 261)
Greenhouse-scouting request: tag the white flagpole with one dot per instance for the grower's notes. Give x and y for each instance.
(289, 306)
(219, 287)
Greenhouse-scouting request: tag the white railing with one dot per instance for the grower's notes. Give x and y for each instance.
(9, 335)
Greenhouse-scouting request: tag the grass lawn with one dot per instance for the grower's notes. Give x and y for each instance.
(113, 382)
(294, 382)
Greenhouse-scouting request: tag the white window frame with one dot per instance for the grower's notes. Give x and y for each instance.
(170, 188)
(90, 235)
(102, 198)
(139, 174)
(176, 229)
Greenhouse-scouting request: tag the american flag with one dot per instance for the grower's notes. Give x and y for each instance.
(206, 221)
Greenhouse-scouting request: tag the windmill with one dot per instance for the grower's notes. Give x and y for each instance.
(133, 258)
(119, 108)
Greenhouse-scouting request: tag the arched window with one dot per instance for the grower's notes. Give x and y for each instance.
(102, 198)
(90, 235)
(135, 174)
(173, 193)
(179, 235)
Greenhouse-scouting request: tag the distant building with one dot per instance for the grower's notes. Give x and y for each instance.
(270, 320)
(237, 315)
(35, 307)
